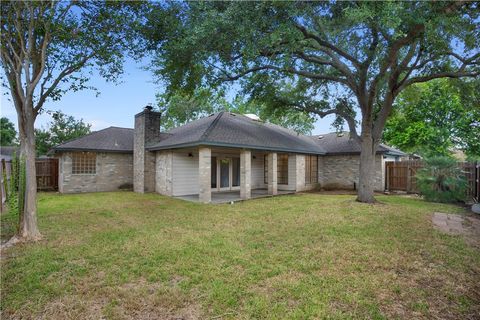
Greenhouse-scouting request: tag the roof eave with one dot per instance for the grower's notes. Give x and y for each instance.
(231, 145)
(396, 153)
(90, 150)
(334, 153)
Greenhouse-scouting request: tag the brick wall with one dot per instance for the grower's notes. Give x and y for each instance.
(341, 171)
(114, 171)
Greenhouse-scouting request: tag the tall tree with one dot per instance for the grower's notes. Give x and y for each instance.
(339, 58)
(61, 129)
(8, 134)
(432, 118)
(51, 47)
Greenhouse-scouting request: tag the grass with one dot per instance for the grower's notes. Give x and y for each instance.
(124, 255)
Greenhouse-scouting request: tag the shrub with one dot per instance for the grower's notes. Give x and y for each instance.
(441, 180)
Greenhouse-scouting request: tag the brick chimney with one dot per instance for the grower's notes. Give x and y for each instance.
(147, 130)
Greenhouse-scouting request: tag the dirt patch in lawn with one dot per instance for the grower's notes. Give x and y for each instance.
(133, 300)
(454, 224)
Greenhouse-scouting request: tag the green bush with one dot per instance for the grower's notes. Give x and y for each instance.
(442, 180)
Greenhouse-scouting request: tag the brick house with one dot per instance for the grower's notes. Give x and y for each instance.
(221, 154)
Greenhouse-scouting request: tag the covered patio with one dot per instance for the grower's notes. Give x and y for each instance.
(232, 153)
(233, 196)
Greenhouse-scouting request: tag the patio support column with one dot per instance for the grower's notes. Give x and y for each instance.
(272, 173)
(245, 174)
(299, 172)
(205, 174)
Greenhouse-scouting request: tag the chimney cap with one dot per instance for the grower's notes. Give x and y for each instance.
(148, 107)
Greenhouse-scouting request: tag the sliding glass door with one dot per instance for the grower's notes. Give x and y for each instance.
(225, 173)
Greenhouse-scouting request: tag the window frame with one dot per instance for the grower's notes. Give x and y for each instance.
(311, 169)
(265, 168)
(282, 168)
(84, 163)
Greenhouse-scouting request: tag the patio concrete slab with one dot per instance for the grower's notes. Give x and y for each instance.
(454, 224)
(232, 196)
(448, 223)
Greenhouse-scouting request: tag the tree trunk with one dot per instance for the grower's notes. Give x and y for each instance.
(367, 170)
(28, 229)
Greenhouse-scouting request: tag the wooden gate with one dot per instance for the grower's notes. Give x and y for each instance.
(401, 175)
(47, 174)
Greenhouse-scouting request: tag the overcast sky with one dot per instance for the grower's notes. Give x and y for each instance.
(116, 104)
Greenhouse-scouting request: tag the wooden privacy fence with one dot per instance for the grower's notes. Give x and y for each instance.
(401, 176)
(47, 174)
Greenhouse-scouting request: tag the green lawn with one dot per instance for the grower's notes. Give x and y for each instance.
(126, 255)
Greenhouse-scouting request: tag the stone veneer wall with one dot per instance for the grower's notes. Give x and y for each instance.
(147, 130)
(114, 171)
(164, 173)
(341, 171)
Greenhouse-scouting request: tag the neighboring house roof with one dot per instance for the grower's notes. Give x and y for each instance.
(226, 129)
(7, 152)
(112, 139)
(341, 143)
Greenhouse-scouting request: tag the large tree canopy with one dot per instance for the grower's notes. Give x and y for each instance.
(51, 47)
(339, 58)
(433, 118)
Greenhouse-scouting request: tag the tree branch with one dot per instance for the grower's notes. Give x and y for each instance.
(290, 70)
(340, 110)
(326, 44)
(67, 71)
(452, 74)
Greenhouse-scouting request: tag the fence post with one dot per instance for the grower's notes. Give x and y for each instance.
(477, 180)
(5, 178)
(409, 178)
(386, 176)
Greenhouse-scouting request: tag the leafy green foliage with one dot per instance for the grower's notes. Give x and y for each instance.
(8, 134)
(441, 180)
(299, 121)
(181, 108)
(432, 118)
(320, 57)
(71, 39)
(12, 191)
(16, 185)
(61, 129)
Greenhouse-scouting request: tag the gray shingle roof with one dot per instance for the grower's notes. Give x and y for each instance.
(334, 143)
(228, 130)
(235, 130)
(112, 139)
